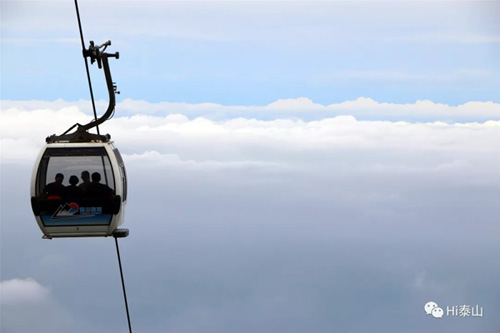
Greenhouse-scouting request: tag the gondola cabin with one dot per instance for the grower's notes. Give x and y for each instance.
(78, 189)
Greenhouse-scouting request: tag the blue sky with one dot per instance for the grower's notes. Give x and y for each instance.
(253, 53)
(293, 166)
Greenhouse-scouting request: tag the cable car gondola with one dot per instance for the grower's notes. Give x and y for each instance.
(79, 183)
(63, 205)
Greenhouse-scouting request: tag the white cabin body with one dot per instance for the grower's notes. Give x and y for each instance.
(95, 207)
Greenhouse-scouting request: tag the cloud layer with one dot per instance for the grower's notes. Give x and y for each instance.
(285, 224)
(301, 108)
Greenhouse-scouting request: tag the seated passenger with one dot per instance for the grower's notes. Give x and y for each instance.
(85, 180)
(73, 193)
(55, 190)
(98, 190)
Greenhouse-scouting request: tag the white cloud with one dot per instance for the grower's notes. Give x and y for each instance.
(336, 207)
(154, 160)
(295, 104)
(22, 291)
(305, 107)
(240, 141)
(302, 107)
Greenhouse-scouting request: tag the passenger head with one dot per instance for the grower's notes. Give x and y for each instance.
(59, 178)
(73, 180)
(96, 177)
(85, 176)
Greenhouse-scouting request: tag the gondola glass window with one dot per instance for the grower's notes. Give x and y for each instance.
(123, 173)
(85, 195)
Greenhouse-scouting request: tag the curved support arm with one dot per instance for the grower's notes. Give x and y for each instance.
(111, 91)
(81, 134)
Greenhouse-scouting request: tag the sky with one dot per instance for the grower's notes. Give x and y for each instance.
(293, 166)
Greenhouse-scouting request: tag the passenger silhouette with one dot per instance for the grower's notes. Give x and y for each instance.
(55, 190)
(98, 190)
(73, 193)
(85, 180)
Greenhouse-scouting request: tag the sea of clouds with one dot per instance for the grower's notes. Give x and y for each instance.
(309, 218)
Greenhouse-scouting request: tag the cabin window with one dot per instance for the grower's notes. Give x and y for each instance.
(77, 201)
(123, 173)
(72, 162)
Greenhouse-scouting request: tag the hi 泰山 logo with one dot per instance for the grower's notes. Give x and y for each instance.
(431, 308)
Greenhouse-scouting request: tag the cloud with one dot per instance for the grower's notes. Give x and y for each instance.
(247, 141)
(284, 224)
(291, 152)
(22, 291)
(153, 159)
(28, 306)
(302, 108)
